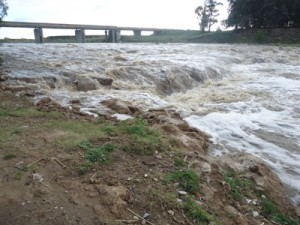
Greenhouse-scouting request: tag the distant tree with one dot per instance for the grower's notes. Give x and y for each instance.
(202, 16)
(3, 9)
(207, 14)
(263, 13)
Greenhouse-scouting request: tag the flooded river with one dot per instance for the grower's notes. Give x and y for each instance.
(246, 97)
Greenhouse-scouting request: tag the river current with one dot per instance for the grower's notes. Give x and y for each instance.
(245, 96)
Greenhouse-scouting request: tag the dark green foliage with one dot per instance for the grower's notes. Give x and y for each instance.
(270, 210)
(187, 179)
(263, 13)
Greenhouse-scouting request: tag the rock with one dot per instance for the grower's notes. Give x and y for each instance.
(206, 168)
(230, 210)
(43, 101)
(106, 81)
(171, 212)
(117, 106)
(146, 175)
(146, 215)
(86, 84)
(255, 214)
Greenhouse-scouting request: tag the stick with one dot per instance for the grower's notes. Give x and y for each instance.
(140, 217)
(29, 165)
(127, 221)
(59, 162)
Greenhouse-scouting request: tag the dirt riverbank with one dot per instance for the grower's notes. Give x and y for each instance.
(59, 166)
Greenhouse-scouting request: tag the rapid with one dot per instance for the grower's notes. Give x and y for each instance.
(245, 96)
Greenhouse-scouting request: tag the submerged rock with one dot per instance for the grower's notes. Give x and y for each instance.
(86, 84)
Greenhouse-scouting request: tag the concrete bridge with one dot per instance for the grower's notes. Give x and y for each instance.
(113, 33)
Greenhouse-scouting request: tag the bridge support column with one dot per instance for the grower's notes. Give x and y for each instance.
(80, 35)
(38, 35)
(137, 33)
(114, 36)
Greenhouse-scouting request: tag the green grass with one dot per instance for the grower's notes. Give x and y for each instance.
(9, 156)
(237, 185)
(195, 213)
(97, 154)
(271, 211)
(138, 136)
(188, 179)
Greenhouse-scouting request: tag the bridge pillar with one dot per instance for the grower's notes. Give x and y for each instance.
(38, 35)
(114, 36)
(137, 33)
(80, 35)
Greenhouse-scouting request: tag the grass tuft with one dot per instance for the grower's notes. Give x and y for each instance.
(271, 211)
(196, 213)
(187, 179)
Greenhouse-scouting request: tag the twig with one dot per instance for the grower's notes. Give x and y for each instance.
(128, 221)
(140, 217)
(29, 165)
(59, 162)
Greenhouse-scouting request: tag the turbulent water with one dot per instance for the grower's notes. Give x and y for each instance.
(246, 97)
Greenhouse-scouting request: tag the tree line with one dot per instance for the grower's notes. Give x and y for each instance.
(251, 14)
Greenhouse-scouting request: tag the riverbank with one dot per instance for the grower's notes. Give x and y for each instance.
(60, 166)
(290, 36)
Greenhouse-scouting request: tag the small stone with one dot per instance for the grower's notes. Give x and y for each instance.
(146, 215)
(129, 179)
(171, 212)
(255, 214)
(144, 222)
(206, 168)
(158, 156)
(23, 203)
(55, 207)
(135, 218)
(179, 200)
(146, 175)
(182, 193)
(155, 179)
(263, 196)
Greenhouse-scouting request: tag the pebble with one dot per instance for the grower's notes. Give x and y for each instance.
(155, 179)
(171, 212)
(146, 215)
(182, 193)
(146, 175)
(255, 214)
(179, 200)
(135, 218)
(263, 196)
(23, 203)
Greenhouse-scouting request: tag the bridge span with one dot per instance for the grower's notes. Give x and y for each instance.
(113, 33)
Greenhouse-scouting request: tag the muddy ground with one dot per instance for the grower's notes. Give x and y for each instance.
(46, 177)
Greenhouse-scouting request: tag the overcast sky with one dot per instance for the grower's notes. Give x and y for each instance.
(177, 14)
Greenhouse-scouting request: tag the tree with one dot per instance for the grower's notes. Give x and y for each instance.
(263, 13)
(202, 17)
(207, 14)
(3, 8)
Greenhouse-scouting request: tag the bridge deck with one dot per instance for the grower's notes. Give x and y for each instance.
(74, 26)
